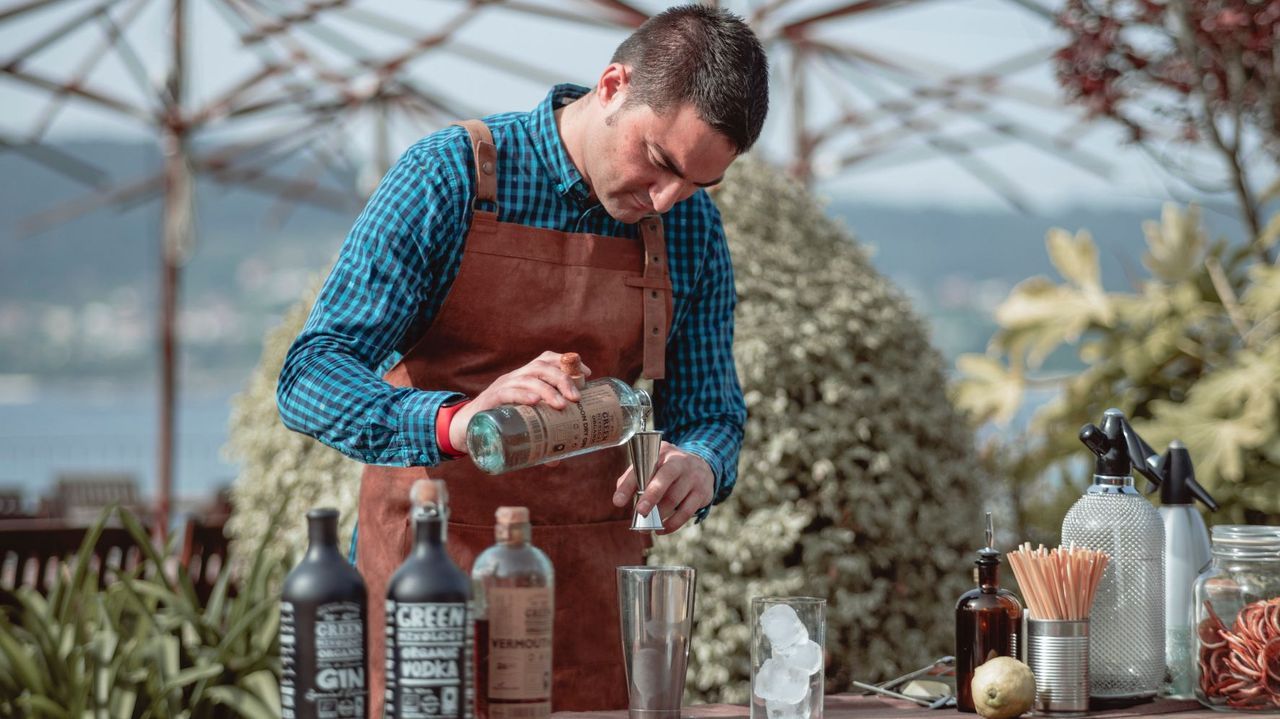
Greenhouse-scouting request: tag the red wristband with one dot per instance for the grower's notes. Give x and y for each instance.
(444, 418)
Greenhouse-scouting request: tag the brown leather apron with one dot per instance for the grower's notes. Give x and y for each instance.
(521, 290)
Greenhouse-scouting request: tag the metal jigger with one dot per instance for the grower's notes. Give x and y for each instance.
(643, 450)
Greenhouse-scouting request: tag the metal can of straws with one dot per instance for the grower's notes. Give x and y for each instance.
(1058, 654)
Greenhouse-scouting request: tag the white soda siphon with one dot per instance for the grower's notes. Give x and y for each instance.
(510, 437)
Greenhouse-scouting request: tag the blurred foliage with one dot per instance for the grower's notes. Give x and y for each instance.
(1188, 352)
(143, 645)
(856, 481)
(281, 470)
(1179, 75)
(1189, 355)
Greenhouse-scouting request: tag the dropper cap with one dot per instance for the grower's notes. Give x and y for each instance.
(989, 555)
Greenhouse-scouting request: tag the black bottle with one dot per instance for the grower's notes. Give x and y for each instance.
(323, 648)
(429, 621)
(988, 622)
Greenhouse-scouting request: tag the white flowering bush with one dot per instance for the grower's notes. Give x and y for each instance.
(280, 470)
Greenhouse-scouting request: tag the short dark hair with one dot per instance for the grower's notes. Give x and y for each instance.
(703, 55)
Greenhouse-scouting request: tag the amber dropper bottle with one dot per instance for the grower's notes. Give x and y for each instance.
(988, 621)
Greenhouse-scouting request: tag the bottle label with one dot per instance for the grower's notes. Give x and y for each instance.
(594, 420)
(288, 661)
(337, 686)
(520, 621)
(427, 656)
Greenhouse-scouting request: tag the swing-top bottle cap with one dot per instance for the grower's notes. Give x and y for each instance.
(512, 515)
(571, 363)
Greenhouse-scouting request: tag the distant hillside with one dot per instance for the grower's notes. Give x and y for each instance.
(928, 244)
(78, 261)
(955, 264)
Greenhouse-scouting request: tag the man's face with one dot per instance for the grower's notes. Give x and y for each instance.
(639, 163)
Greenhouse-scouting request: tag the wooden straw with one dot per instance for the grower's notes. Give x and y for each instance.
(1058, 583)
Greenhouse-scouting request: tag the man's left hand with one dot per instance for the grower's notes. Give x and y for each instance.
(681, 485)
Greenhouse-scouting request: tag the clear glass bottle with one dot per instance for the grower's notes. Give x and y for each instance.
(429, 625)
(988, 622)
(514, 588)
(1237, 615)
(513, 437)
(323, 648)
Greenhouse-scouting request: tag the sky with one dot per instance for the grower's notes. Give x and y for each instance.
(925, 41)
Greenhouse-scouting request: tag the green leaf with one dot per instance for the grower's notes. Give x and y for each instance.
(244, 703)
(264, 638)
(187, 677)
(41, 706)
(1262, 299)
(246, 624)
(21, 662)
(264, 685)
(218, 597)
(152, 556)
(70, 588)
(987, 389)
(123, 702)
(1075, 258)
(1039, 316)
(1176, 244)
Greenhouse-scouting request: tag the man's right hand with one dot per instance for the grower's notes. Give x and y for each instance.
(542, 380)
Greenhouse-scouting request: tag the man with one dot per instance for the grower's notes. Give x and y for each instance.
(492, 248)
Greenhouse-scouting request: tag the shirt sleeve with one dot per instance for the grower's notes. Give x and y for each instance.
(394, 256)
(699, 404)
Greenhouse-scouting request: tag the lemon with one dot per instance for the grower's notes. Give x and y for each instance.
(1003, 688)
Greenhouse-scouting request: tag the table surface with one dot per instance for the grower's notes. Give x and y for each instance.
(853, 706)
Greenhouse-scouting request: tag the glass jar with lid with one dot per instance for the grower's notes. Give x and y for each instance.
(1237, 617)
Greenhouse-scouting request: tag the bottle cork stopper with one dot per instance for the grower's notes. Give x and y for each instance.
(428, 491)
(512, 515)
(571, 363)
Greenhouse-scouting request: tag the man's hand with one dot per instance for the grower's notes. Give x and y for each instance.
(542, 380)
(682, 484)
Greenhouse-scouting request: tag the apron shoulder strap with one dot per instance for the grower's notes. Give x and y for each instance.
(486, 157)
(656, 285)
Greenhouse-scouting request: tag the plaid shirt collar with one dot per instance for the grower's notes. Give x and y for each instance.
(541, 125)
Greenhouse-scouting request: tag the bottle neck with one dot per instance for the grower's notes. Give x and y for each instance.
(429, 531)
(1249, 543)
(1112, 484)
(512, 534)
(322, 534)
(989, 577)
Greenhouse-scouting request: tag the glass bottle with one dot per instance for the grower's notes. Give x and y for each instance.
(514, 436)
(429, 621)
(1237, 615)
(1126, 622)
(988, 621)
(514, 589)
(323, 607)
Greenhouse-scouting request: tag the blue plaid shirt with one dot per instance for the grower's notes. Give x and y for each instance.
(402, 255)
